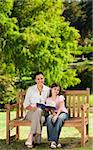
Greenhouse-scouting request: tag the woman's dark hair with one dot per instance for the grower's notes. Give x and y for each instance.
(55, 85)
(37, 73)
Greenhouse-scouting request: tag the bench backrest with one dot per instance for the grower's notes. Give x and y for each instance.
(74, 101)
(20, 100)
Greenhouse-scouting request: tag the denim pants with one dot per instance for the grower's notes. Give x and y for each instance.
(53, 130)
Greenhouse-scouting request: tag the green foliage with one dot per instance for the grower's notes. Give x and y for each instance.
(7, 91)
(91, 100)
(11, 42)
(74, 14)
(79, 14)
(34, 36)
(86, 6)
(6, 6)
(83, 64)
(84, 50)
(50, 40)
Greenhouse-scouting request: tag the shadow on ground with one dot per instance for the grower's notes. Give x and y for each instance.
(67, 144)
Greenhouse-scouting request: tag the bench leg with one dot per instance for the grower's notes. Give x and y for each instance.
(87, 131)
(7, 135)
(85, 135)
(7, 126)
(17, 132)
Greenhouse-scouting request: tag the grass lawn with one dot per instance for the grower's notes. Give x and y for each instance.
(70, 137)
(91, 100)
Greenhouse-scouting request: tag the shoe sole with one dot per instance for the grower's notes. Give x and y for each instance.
(30, 146)
(53, 147)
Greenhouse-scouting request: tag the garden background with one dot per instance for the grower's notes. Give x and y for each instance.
(54, 37)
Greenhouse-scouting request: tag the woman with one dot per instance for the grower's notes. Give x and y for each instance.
(35, 94)
(57, 117)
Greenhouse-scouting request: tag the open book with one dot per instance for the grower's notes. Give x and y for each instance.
(49, 105)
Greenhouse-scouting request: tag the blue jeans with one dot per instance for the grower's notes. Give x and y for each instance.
(53, 130)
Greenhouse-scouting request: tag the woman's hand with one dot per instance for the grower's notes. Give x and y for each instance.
(31, 108)
(34, 108)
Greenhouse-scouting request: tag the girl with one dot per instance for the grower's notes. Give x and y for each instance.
(57, 117)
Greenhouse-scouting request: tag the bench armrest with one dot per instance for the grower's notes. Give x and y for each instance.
(9, 107)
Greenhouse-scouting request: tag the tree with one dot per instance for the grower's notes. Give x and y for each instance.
(11, 41)
(86, 6)
(50, 40)
(79, 14)
(41, 41)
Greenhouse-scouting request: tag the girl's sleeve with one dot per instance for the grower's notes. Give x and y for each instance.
(61, 98)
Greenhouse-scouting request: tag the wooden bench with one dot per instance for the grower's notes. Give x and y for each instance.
(77, 102)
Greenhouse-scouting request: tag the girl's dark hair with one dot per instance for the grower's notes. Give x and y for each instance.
(38, 73)
(55, 85)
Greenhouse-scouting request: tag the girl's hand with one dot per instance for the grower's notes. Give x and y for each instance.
(54, 113)
(54, 118)
(47, 109)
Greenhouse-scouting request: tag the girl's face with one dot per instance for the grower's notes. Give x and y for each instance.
(55, 90)
(39, 79)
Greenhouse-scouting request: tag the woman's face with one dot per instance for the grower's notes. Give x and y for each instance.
(55, 90)
(39, 79)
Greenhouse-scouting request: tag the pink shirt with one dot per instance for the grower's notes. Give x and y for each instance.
(57, 101)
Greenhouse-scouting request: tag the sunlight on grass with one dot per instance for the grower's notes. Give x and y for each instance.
(91, 100)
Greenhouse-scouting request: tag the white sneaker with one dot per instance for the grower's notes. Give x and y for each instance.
(53, 145)
(28, 144)
(59, 145)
